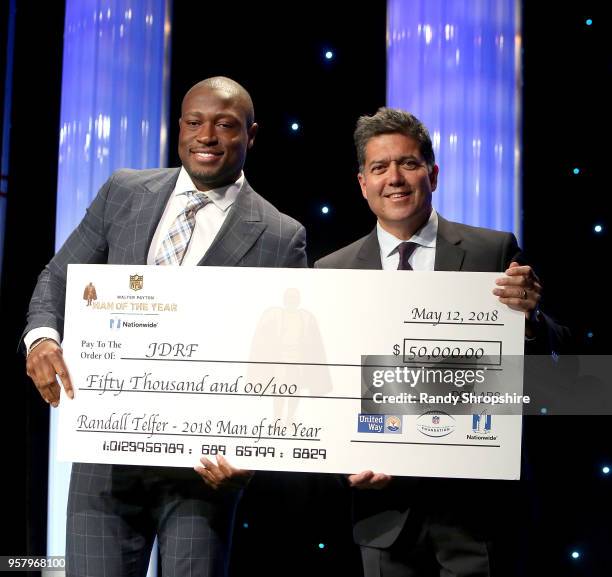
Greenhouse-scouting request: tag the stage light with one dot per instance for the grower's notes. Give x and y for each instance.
(295, 126)
(576, 171)
(605, 470)
(588, 22)
(590, 335)
(598, 228)
(325, 209)
(321, 545)
(575, 555)
(245, 525)
(543, 411)
(329, 55)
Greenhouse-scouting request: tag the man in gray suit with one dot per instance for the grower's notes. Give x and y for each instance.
(405, 526)
(206, 214)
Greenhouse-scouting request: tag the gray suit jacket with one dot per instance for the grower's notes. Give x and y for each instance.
(379, 516)
(120, 223)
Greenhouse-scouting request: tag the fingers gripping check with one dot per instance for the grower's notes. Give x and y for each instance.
(45, 366)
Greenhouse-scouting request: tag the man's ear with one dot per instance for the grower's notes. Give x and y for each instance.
(433, 177)
(252, 131)
(362, 184)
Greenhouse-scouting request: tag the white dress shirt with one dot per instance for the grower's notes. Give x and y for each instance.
(423, 257)
(209, 218)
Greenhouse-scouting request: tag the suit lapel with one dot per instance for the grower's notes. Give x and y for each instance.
(368, 256)
(242, 227)
(449, 256)
(150, 203)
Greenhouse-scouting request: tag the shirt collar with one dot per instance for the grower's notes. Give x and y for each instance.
(426, 236)
(222, 197)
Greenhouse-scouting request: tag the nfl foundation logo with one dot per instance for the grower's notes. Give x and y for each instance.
(435, 424)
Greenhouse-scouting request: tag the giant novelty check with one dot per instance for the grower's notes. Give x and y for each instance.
(293, 369)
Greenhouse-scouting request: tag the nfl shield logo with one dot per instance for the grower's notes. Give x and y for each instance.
(435, 420)
(136, 282)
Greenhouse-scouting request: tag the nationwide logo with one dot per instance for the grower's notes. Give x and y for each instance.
(117, 323)
(481, 424)
(379, 424)
(435, 424)
(136, 282)
(481, 427)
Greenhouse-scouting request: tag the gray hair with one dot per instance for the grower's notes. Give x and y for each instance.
(392, 121)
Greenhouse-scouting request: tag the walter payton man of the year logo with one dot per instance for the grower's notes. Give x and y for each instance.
(379, 424)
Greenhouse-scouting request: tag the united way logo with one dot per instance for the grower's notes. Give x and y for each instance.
(481, 424)
(370, 423)
(136, 282)
(379, 424)
(393, 424)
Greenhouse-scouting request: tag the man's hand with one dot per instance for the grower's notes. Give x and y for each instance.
(369, 480)
(521, 290)
(43, 364)
(222, 474)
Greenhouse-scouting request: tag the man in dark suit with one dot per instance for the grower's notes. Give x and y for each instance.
(407, 526)
(206, 214)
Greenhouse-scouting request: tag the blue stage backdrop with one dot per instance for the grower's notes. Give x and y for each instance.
(115, 87)
(456, 65)
(6, 120)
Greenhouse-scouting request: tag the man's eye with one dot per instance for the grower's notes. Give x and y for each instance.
(378, 169)
(411, 164)
(192, 123)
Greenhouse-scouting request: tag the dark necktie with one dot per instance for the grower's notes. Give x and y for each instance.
(405, 250)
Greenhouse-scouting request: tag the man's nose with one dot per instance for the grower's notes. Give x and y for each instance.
(207, 133)
(395, 175)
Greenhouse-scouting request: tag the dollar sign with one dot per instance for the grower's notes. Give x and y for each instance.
(396, 350)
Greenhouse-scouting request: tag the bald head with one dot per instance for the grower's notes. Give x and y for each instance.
(231, 89)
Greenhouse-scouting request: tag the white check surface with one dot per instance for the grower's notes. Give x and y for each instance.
(272, 377)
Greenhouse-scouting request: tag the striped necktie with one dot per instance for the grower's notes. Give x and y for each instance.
(174, 246)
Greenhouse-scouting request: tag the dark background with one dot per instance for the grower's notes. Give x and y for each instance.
(278, 56)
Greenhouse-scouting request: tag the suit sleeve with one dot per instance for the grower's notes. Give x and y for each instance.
(86, 245)
(551, 336)
(295, 255)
